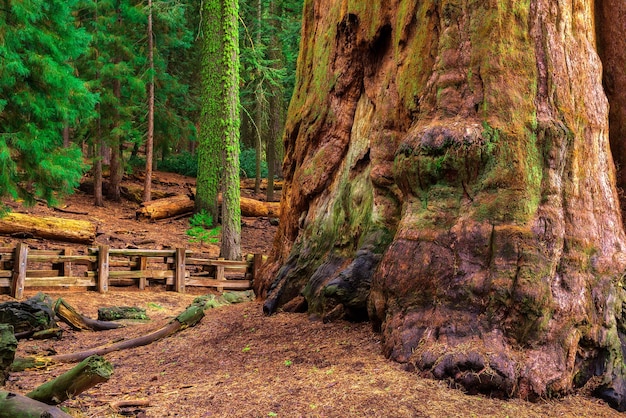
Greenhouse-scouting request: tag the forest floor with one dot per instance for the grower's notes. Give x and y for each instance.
(237, 362)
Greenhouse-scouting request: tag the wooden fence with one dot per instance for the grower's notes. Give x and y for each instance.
(101, 267)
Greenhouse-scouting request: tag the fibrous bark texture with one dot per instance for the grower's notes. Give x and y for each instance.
(449, 176)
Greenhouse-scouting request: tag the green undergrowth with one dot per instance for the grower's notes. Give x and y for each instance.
(202, 229)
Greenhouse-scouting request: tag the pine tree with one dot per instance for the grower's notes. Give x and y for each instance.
(39, 97)
(113, 69)
(269, 47)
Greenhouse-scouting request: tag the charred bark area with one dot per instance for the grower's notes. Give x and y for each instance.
(450, 177)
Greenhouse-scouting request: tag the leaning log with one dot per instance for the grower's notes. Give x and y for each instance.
(68, 314)
(188, 318)
(47, 227)
(166, 208)
(83, 376)
(13, 405)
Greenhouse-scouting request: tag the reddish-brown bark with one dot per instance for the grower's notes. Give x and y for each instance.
(449, 177)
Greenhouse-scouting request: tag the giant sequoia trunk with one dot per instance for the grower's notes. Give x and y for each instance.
(449, 176)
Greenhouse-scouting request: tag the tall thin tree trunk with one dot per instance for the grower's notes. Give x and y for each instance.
(258, 121)
(147, 189)
(116, 166)
(276, 108)
(99, 154)
(260, 104)
(98, 147)
(231, 209)
(66, 135)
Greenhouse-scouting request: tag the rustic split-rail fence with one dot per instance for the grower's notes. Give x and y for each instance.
(99, 267)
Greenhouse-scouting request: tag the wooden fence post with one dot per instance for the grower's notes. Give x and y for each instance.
(219, 275)
(257, 262)
(67, 266)
(103, 268)
(179, 270)
(142, 265)
(19, 270)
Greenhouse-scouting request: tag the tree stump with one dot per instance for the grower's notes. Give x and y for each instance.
(8, 345)
(27, 317)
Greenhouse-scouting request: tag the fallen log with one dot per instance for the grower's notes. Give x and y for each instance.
(181, 204)
(113, 313)
(57, 229)
(165, 208)
(13, 405)
(26, 363)
(250, 183)
(83, 376)
(46, 333)
(188, 318)
(258, 208)
(68, 314)
(135, 193)
(129, 402)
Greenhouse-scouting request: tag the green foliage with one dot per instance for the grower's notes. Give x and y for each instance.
(269, 43)
(83, 64)
(247, 164)
(116, 68)
(39, 95)
(202, 230)
(184, 163)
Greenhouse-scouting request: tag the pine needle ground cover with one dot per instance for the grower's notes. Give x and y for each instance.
(238, 363)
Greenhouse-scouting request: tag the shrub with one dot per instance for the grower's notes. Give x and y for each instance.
(247, 164)
(184, 163)
(201, 228)
(187, 164)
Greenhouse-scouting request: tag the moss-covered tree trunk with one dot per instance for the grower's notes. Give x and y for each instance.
(209, 132)
(218, 150)
(231, 209)
(450, 178)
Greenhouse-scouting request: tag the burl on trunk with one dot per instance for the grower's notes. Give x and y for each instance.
(449, 176)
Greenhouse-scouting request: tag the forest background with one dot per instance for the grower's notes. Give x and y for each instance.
(74, 84)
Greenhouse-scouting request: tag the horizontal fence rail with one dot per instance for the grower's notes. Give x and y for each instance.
(100, 267)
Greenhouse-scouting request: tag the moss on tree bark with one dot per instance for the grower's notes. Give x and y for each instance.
(450, 175)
